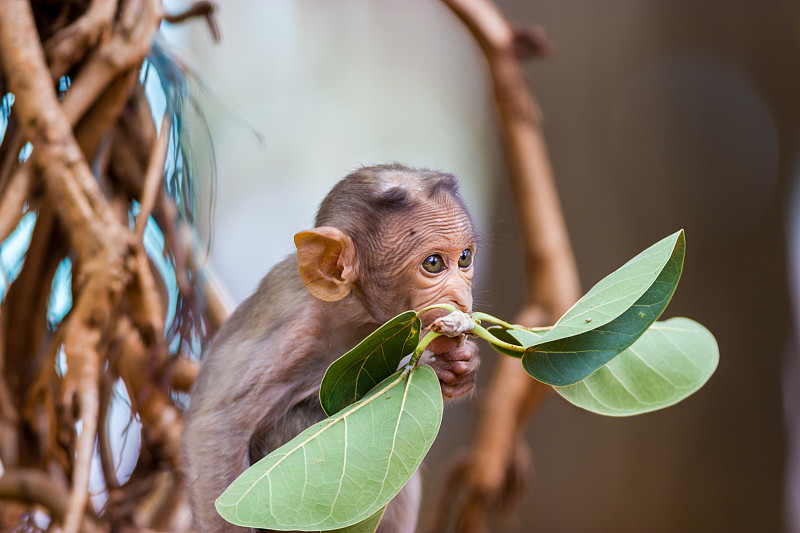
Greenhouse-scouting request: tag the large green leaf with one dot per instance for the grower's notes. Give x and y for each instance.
(365, 526)
(617, 292)
(669, 362)
(344, 469)
(355, 373)
(568, 357)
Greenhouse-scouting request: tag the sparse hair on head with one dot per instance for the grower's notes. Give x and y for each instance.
(358, 200)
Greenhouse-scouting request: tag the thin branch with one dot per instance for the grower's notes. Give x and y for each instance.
(181, 374)
(103, 440)
(128, 45)
(162, 422)
(24, 320)
(216, 300)
(12, 202)
(93, 126)
(157, 508)
(203, 8)
(154, 178)
(147, 309)
(39, 403)
(551, 272)
(100, 242)
(35, 487)
(9, 151)
(89, 404)
(9, 417)
(70, 44)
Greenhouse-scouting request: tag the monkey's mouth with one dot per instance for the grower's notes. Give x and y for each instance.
(441, 344)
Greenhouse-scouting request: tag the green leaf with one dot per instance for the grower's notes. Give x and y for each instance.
(609, 319)
(617, 292)
(672, 360)
(375, 358)
(342, 470)
(365, 526)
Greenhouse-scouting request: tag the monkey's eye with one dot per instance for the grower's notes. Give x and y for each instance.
(465, 259)
(433, 263)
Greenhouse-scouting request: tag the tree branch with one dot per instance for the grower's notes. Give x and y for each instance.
(203, 8)
(35, 487)
(163, 424)
(103, 440)
(69, 45)
(13, 200)
(100, 242)
(113, 281)
(154, 178)
(181, 373)
(94, 125)
(551, 273)
(128, 45)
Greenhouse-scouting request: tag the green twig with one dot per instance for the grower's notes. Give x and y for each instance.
(478, 316)
(448, 307)
(426, 340)
(480, 331)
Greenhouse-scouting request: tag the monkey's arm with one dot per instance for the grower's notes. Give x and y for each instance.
(242, 390)
(265, 360)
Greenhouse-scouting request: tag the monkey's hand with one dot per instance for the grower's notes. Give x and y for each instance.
(456, 362)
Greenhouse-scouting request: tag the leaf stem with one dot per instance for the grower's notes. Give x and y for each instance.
(478, 316)
(480, 331)
(489, 318)
(448, 307)
(426, 340)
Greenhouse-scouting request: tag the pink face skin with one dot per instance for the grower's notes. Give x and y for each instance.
(438, 250)
(435, 248)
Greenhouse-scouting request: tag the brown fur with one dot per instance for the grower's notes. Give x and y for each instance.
(259, 385)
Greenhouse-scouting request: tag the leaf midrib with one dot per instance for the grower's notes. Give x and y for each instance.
(315, 435)
(565, 323)
(368, 357)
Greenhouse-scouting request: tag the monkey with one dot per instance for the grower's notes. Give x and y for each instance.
(386, 239)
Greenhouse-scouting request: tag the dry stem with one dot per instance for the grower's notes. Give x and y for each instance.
(114, 283)
(70, 44)
(100, 242)
(553, 283)
(153, 180)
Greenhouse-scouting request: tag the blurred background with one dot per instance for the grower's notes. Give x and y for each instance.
(658, 114)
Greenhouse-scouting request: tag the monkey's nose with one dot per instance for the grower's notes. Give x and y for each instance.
(428, 317)
(463, 302)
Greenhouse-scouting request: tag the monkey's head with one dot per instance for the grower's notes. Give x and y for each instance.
(393, 238)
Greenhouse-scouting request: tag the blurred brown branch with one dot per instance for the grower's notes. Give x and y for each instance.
(95, 154)
(489, 477)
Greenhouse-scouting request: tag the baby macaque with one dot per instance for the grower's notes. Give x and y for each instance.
(387, 239)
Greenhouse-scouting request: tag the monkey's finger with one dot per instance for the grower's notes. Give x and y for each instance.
(463, 368)
(442, 345)
(451, 392)
(466, 352)
(445, 375)
(458, 365)
(454, 373)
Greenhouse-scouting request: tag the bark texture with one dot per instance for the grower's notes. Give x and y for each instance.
(94, 176)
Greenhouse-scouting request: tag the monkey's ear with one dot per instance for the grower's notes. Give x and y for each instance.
(327, 259)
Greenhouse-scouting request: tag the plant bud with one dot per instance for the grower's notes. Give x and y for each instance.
(453, 325)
